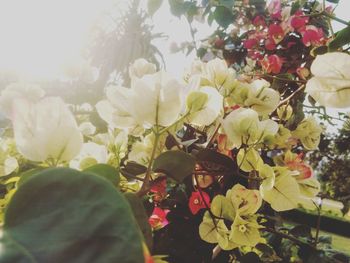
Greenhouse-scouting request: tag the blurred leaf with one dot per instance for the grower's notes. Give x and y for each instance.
(28, 174)
(153, 6)
(301, 231)
(133, 169)
(222, 162)
(62, 215)
(223, 16)
(319, 51)
(226, 3)
(176, 164)
(141, 217)
(333, 1)
(342, 38)
(106, 171)
(249, 258)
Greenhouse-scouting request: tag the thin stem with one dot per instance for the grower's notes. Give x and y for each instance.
(145, 186)
(291, 96)
(291, 238)
(318, 224)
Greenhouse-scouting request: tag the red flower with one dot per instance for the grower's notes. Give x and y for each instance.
(158, 218)
(272, 64)
(196, 202)
(250, 43)
(159, 190)
(298, 21)
(276, 33)
(312, 36)
(259, 21)
(275, 9)
(270, 44)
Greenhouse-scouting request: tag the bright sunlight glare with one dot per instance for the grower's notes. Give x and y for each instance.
(40, 37)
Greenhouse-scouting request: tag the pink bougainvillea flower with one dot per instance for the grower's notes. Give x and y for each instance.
(270, 44)
(158, 218)
(298, 21)
(297, 164)
(159, 190)
(196, 202)
(272, 64)
(276, 33)
(312, 36)
(250, 43)
(255, 55)
(275, 9)
(259, 21)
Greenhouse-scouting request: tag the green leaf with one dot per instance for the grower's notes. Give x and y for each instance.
(141, 217)
(28, 174)
(176, 164)
(133, 169)
(301, 231)
(62, 215)
(223, 16)
(342, 38)
(222, 162)
(106, 171)
(179, 7)
(153, 6)
(333, 1)
(226, 3)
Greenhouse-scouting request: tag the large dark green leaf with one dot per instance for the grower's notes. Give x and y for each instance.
(62, 215)
(176, 164)
(141, 217)
(106, 171)
(223, 16)
(342, 38)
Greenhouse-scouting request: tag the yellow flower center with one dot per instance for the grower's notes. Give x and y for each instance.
(242, 228)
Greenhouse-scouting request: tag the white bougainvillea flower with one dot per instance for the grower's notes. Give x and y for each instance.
(8, 164)
(267, 176)
(205, 105)
(245, 201)
(87, 128)
(141, 151)
(216, 233)
(18, 90)
(46, 129)
(140, 68)
(156, 99)
(285, 193)
(308, 132)
(243, 126)
(330, 85)
(248, 160)
(90, 154)
(115, 110)
(245, 232)
(261, 98)
(240, 125)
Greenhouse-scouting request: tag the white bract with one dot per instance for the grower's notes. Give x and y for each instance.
(330, 85)
(204, 105)
(46, 129)
(154, 99)
(243, 126)
(140, 68)
(261, 98)
(308, 132)
(18, 90)
(90, 154)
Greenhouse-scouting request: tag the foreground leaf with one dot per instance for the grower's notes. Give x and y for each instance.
(62, 215)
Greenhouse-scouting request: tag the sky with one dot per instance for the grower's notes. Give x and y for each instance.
(41, 37)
